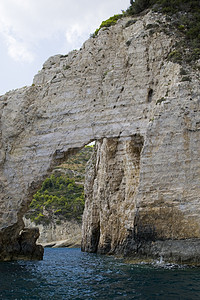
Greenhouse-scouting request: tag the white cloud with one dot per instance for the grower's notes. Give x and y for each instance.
(74, 34)
(32, 30)
(25, 22)
(18, 50)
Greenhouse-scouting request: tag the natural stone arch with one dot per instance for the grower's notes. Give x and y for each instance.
(96, 93)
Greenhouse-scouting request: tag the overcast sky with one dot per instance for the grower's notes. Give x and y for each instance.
(33, 30)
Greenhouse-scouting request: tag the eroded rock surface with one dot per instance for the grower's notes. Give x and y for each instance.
(66, 233)
(125, 214)
(22, 247)
(121, 90)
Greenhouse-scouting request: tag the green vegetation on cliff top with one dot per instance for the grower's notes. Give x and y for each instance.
(107, 23)
(184, 16)
(186, 12)
(166, 6)
(61, 197)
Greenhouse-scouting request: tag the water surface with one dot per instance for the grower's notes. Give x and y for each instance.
(70, 274)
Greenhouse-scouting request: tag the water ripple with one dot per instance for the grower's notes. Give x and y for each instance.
(71, 274)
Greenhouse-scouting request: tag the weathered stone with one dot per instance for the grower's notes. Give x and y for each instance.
(121, 90)
(115, 222)
(23, 247)
(66, 233)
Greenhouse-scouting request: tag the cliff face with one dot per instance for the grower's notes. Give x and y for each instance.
(139, 207)
(122, 91)
(110, 189)
(65, 234)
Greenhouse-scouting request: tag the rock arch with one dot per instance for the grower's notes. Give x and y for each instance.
(100, 93)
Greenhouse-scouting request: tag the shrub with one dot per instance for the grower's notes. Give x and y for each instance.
(60, 197)
(175, 56)
(140, 5)
(186, 18)
(111, 21)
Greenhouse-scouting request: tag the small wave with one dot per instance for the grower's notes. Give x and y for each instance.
(160, 263)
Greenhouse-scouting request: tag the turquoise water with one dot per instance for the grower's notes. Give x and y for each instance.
(70, 274)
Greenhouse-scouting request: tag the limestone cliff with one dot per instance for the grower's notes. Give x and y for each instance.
(65, 234)
(121, 90)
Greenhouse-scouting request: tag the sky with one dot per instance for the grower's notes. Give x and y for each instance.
(33, 30)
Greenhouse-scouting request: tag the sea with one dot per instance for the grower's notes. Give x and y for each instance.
(71, 274)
